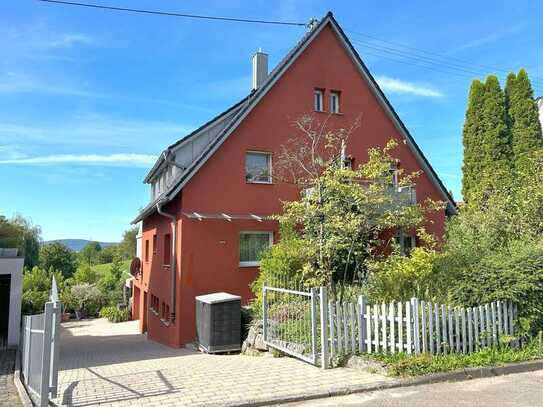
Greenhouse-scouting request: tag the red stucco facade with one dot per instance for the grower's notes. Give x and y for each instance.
(208, 250)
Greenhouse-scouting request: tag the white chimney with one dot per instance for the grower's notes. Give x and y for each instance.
(260, 68)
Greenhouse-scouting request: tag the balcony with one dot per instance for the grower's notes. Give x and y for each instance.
(406, 195)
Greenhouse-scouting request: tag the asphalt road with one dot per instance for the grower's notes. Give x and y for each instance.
(519, 390)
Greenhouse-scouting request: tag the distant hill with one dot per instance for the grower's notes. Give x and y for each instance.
(77, 244)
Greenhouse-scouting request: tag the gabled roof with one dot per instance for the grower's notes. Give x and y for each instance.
(190, 136)
(246, 106)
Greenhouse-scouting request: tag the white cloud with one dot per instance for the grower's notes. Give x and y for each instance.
(65, 40)
(13, 82)
(39, 36)
(493, 37)
(116, 160)
(393, 85)
(99, 131)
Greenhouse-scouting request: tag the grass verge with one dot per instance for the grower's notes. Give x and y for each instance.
(403, 365)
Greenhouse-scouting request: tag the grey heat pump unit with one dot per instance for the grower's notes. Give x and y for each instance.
(218, 322)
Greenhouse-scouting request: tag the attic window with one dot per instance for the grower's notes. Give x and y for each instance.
(334, 102)
(258, 167)
(318, 100)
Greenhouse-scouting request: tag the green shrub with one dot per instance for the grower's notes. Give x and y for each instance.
(513, 273)
(403, 365)
(36, 289)
(399, 278)
(85, 298)
(281, 265)
(114, 314)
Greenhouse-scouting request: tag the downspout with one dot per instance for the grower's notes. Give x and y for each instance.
(172, 258)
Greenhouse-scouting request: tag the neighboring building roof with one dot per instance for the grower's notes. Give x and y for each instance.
(246, 105)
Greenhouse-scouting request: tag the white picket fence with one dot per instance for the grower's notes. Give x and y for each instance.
(415, 326)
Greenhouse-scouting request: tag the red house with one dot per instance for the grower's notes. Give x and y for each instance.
(207, 218)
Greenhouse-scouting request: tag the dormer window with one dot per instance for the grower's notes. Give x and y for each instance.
(318, 97)
(258, 168)
(334, 102)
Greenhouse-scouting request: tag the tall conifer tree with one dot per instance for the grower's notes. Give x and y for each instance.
(496, 155)
(522, 115)
(472, 134)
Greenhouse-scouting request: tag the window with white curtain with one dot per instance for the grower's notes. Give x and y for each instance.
(318, 100)
(251, 245)
(258, 167)
(334, 102)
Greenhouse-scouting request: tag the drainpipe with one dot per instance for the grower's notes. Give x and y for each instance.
(172, 257)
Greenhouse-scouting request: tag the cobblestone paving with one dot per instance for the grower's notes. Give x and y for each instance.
(110, 364)
(8, 391)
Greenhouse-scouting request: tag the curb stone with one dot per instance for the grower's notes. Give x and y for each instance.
(23, 395)
(454, 376)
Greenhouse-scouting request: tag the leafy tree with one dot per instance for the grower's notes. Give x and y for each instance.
(58, 257)
(108, 254)
(11, 235)
(36, 288)
(85, 274)
(523, 118)
(472, 136)
(85, 298)
(31, 240)
(90, 253)
(127, 247)
(20, 233)
(111, 283)
(344, 214)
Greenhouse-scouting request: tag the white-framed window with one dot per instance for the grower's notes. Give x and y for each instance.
(318, 97)
(258, 167)
(334, 102)
(394, 175)
(251, 245)
(406, 242)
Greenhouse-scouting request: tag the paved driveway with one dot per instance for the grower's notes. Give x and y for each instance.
(111, 364)
(8, 392)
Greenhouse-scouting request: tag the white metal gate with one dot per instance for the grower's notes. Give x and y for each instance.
(292, 321)
(39, 350)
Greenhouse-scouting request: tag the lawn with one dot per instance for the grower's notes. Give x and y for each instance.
(101, 269)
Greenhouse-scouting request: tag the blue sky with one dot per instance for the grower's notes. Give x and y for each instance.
(88, 98)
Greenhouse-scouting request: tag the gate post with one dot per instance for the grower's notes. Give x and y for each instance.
(314, 324)
(264, 313)
(27, 346)
(55, 337)
(46, 355)
(324, 327)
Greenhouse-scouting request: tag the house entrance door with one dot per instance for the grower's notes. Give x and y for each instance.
(5, 285)
(145, 312)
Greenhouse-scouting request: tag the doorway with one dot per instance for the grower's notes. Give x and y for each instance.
(145, 312)
(5, 290)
